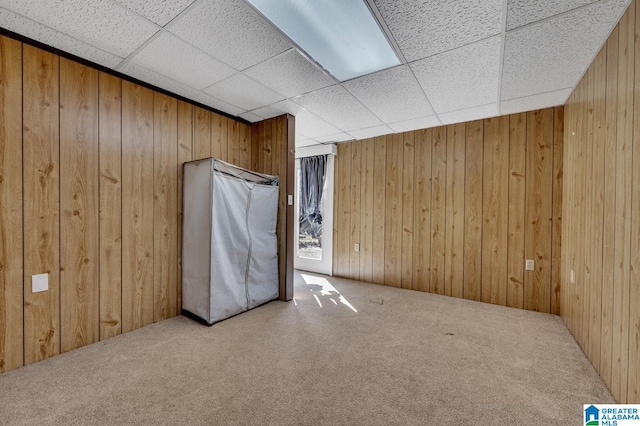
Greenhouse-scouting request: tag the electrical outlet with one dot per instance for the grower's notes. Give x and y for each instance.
(356, 247)
(290, 199)
(529, 265)
(39, 283)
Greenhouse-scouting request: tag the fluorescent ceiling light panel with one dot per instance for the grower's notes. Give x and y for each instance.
(340, 35)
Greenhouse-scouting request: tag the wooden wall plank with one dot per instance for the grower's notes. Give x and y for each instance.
(624, 169)
(438, 209)
(11, 244)
(539, 210)
(137, 206)
(517, 209)
(408, 174)
(279, 169)
(473, 210)
(587, 266)
(393, 213)
(342, 210)
(233, 142)
(41, 174)
(379, 208)
(185, 153)
(219, 137)
(633, 379)
(454, 205)
(495, 210)
(355, 209)
(267, 147)
(244, 158)
(608, 234)
(165, 206)
(366, 221)
(110, 159)
(79, 205)
(597, 207)
(556, 231)
(202, 134)
(422, 215)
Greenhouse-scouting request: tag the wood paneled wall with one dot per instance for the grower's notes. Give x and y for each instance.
(601, 231)
(456, 210)
(273, 152)
(90, 193)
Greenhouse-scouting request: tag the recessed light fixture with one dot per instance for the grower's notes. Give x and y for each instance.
(341, 36)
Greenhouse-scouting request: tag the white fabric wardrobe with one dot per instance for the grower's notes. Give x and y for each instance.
(229, 244)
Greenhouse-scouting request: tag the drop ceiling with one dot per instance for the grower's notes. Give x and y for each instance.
(461, 60)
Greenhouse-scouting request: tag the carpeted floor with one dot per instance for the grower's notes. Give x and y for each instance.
(369, 355)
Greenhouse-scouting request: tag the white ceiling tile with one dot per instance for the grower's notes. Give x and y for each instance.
(427, 27)
(244, 92)
(470, 114)
(279, 108)
(231, 31)
(306, 142)
(530, 103)
(461, 78)
(415, 124)
(340, 137)
(103, 24)
(178, 88)
(158, 11)
(249, 116)
(522, 12)
(370, 132)
(554, 53)
(290, 74)
(170, 56)
(53, 38)
(392, 94)
(339, 108)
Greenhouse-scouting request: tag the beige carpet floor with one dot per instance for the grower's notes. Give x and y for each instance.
(344, 353)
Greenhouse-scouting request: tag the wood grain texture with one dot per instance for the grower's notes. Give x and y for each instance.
(342, 208)
(624, 170)
(219, 137)
(165, 206)
(41, 177)
(244, 159)
(393, 212)
(137, 206)
(280, 167)
(608, 233)
(633, 379)
(110, 158)
(366, 220)
(539, 184)
(408, 175)
(517, 209)
(185, 153)
(354, 209)
(495, 210)
(233, 142)
(454, 210)
(438, 209)
(422, 211)
(202, 134)
(379, 208)
(473, 210)
(11, 244)
(79, 206)
(557, 196)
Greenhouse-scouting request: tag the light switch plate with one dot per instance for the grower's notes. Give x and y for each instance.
(529, 265)
(572, 277)
(39, 283)
(290, 199)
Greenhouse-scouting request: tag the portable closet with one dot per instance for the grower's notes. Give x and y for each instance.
(229, 245)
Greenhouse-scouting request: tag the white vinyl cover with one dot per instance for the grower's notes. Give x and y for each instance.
(229, 244)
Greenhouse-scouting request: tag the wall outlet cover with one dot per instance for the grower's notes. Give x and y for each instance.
(529, 265)
(39, 283)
